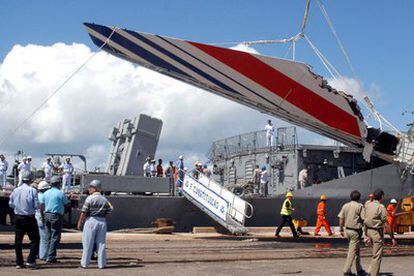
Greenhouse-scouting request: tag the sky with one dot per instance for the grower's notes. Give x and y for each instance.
(42, 42)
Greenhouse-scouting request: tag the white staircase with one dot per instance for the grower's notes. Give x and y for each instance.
(216, 201)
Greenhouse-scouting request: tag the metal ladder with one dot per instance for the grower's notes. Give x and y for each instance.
(226, 208)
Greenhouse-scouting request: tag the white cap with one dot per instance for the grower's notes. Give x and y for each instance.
(43, 185)
(29, 157)
(180, 157)
(393, 201)
(24, 158)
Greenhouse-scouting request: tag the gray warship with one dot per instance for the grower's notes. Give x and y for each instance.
(333, 170)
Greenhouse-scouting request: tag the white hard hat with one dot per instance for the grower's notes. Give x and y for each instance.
(393, 201)
(29, 157)
(24, 158)
(96, 184)
(180, 157)
(43, 185)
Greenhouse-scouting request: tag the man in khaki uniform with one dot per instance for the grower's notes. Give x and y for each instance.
(375, 220)
(351, 217)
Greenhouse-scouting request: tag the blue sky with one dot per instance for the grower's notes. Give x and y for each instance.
(377, 34)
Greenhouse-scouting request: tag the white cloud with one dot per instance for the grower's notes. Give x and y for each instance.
(244, 48)
(79, 118)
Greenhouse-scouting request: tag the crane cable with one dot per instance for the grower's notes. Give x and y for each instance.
(57, 89)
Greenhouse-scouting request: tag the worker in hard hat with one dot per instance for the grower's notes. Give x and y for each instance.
(391, 209)
(286, 213)
(94, 212)
(67, 173)
(322, 220)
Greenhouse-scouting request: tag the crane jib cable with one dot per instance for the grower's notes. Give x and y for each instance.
(57, 89)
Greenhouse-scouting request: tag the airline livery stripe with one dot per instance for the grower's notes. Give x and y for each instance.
(279, 84)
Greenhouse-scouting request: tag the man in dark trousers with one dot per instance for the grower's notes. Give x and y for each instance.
(286, 214)
(52, 207)
(24, 201)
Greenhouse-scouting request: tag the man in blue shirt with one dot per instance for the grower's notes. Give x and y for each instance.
(24, 202)
(52, 207)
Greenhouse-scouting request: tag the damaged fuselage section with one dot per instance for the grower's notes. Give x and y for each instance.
(283, 88)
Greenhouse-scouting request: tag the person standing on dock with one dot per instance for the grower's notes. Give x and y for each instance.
(41, 188)
(3, 171)
(391, 209)
(24, 201)
(270, 129)
(52, 208)
(286, 213)
(374, 222)
(67, 174)
(48, 168)
(351, 217)
(321, 213)
(94, 212)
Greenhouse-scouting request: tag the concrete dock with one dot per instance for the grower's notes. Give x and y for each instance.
(259, 253)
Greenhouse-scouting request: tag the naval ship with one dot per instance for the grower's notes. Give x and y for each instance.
(366, 157)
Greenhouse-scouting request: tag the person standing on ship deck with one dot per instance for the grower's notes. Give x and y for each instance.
(269, 128)
(67, 174)
(3, 171)
(48, 169)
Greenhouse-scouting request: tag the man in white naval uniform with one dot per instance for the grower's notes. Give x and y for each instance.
(3, 171)
(67, 170)
(48, 169)
(269, 128)
(24, 166)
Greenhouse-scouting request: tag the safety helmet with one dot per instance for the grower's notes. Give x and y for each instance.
(96, 184)
(393, 201)
(289, 194)
(323, 197)
(181, 157)
(26, 176)
(24, 158)
(29, 157)
(43, 185)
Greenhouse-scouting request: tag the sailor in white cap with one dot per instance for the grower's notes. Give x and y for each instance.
(94, 212)
(24, 166)
(67, 172)
(48, 168)
(3, 171)
(146, 168)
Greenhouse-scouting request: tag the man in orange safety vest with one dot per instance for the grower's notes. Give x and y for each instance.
(391, 209)
(322, 220)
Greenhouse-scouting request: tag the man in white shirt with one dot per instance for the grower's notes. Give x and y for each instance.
(48, 169)
(24, 166)
(264, 181)
(146, 168)
(3, 171)
(269, 128)
(67, 172)
(303, 178)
